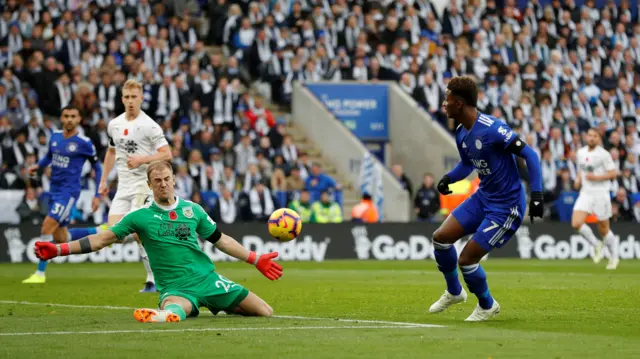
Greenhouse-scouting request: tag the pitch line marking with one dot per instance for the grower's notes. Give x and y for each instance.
(213, 330)
(387, 323)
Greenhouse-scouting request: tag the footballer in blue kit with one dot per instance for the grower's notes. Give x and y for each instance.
(68, 152)
(492, 214)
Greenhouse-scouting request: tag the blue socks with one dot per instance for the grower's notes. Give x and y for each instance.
(476, 280)
(77, 233)
(42, 265)
(447, 259)
(475, 277)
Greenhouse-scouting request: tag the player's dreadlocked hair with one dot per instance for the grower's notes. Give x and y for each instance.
(158, 166)
(465, 88)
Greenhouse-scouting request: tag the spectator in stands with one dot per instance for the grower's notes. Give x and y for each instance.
(405, 182)
(32, 209)
(302, 206)
(261, 202)
(226, 179)
(245, 153)
(325, 210)
(184, 182)
(319, 182)
(226, 210)
(252, 177)
(295, 181)
(365, 211)
(623, 204)
(278, 181)
(427, 201)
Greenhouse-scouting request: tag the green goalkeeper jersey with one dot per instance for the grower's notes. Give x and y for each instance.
(170, 237)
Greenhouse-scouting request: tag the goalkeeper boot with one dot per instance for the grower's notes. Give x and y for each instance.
(447, 300)
(35, 278)
(480, 314)
(146, 315)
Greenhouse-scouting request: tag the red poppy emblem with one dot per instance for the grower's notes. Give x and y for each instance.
(173, 215)
(126, 131)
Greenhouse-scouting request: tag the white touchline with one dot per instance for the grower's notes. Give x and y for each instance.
(214, 330)
(362, 321)
(389, 323)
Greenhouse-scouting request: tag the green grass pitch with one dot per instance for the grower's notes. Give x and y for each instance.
(335, 309)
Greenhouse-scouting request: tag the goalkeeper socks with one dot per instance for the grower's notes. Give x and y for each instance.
(447, 259)
(476, 280)
(147, 266)
(612, 243)
(78, 233)
(177, 310)
(42, 265)
(587, 233)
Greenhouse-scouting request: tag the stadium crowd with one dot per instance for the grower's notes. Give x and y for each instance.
(231, 154)
(550, 70)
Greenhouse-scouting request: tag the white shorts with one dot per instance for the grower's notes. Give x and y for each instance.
(594, 203)
(124, 204)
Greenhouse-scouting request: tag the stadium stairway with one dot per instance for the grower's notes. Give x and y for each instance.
(350, 194)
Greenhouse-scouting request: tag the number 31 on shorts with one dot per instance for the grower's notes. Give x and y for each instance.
(224, 283)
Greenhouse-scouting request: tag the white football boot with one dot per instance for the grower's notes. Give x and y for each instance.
(480, 315)
(447, 300)
(597, 252)
(613, 264)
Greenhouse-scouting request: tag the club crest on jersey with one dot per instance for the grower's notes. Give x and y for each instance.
(188, 212)
(478, 144)
(173, 215)
(126, 131)
(72, 147)
(130, 146)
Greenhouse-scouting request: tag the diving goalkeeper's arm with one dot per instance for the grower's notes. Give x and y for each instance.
(264, 263)
(92, 243)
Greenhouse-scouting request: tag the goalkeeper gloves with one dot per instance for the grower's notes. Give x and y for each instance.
(443, 185)
(536, 205)
(48, 250)
(266, 265)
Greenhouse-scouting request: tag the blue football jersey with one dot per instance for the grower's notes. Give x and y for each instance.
(67, 157)
(483, 147)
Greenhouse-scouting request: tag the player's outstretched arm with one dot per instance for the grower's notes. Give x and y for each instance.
(48, 250)
(263, 263)
(458, 173)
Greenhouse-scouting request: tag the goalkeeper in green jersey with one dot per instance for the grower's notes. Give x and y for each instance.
(185, 276)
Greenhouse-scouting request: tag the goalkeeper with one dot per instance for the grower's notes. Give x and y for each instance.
(185, 276)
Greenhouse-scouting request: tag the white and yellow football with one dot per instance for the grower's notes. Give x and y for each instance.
(285, 224)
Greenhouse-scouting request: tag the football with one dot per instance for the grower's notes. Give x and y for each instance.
(285, 224)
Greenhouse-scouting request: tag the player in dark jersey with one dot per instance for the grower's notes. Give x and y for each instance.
(68, 152)
(495, 211)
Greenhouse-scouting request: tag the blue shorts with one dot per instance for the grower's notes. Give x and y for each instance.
(491, 226)
(60, 207)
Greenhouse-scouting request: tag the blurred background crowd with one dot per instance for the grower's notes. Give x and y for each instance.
(550, 69)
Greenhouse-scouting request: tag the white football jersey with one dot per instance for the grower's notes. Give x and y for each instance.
(598, 161)
(140, 137)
